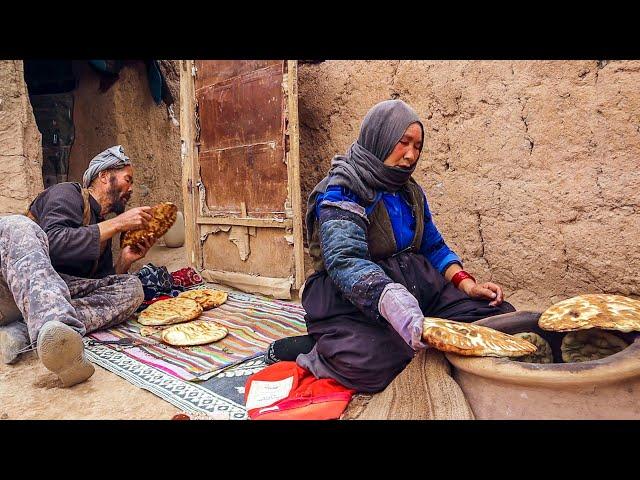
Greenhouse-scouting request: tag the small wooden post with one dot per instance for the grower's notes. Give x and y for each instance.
(189, 158)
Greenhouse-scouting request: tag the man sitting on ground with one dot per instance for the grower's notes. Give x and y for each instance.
(58, 280)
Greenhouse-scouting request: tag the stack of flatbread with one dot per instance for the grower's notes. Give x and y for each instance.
(164, 216)
(206, 297)
(170, 311)
(182, 309)
(472, 340)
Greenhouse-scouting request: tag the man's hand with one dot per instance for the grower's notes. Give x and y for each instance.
(134, 219)
(131, 254)
(488, 290)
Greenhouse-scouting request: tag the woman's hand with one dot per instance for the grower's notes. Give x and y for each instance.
(488, 290)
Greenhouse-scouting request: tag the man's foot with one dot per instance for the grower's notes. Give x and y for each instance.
(61, 350)
(287, 349)
(14, 338)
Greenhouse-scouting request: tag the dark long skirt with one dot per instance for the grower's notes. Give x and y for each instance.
(366, 355)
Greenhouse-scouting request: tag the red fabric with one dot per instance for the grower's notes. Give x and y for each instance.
(460, 276)
(186, 277)
(308, 398)
(154, 300)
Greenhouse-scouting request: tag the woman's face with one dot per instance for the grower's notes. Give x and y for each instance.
(407, 151)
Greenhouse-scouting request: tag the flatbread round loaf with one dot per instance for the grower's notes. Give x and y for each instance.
(164, 216)
(206, 297)
(199, 332)
(587, 345)
(610, 312)
(472, 340)
(544, 354)
(170, 311)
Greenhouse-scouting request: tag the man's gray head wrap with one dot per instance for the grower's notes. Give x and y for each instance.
(113, 157)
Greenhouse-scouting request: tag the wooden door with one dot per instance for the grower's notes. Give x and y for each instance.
(239, 129)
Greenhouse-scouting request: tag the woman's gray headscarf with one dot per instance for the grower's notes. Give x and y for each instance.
(362, 169)
(113, 157)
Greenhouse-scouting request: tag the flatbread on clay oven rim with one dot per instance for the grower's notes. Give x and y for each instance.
(608, 312)
(472, 340)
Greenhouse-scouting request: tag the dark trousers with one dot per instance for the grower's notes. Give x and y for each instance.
(366, 355)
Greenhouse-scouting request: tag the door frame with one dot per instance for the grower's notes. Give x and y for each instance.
(189, 130)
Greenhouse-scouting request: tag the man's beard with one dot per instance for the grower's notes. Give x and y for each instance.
(117, 202)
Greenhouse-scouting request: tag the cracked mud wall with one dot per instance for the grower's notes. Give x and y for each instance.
(531, 168)
(127, 115)
(20, 141)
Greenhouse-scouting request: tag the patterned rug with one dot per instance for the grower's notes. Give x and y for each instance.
(206, 379)
(220, 397)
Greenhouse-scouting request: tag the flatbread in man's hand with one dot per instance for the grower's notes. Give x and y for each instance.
(610, 312)
(472, 340)
(199, 332)
(163, 217)
(170, 311)
(206, 297)
(587, 345)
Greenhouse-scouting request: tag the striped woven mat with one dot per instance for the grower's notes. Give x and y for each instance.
(253, 323)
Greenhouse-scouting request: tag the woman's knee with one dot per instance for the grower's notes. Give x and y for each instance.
(370, 371)
(373, 380)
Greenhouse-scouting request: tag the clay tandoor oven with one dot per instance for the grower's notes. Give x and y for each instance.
(500, 388)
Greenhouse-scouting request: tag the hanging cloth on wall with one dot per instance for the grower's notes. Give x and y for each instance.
(156, 81)
(110, 67)
(109, 71)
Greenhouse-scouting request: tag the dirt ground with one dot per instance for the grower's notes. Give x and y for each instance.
(29, 391)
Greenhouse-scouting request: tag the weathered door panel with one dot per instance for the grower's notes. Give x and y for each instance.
(245, 110)
(242, 178)
(211, 72)
(252, 174)
(270, 255)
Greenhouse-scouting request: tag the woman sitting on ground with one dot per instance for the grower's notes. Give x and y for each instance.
(381, 264)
